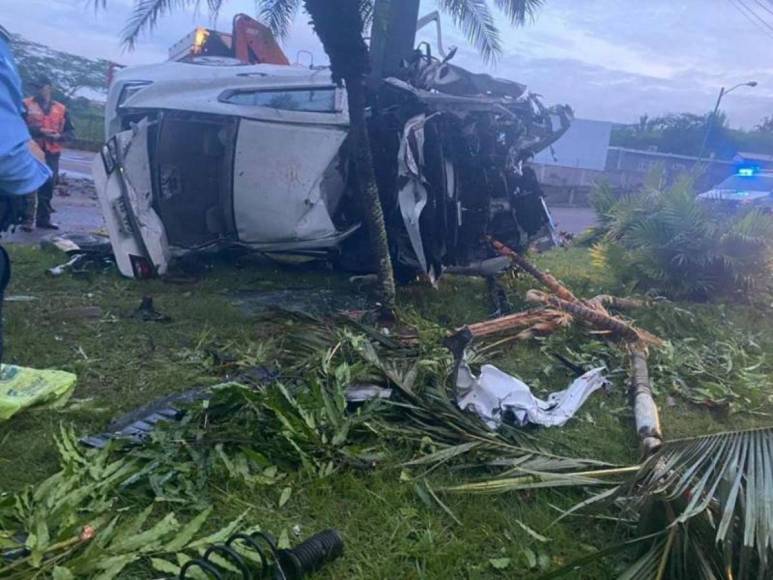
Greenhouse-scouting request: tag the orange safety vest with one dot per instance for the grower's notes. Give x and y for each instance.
(53, 121)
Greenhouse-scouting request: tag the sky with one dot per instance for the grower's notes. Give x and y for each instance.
(611, 60)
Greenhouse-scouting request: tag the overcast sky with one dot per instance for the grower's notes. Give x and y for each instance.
(609, 59)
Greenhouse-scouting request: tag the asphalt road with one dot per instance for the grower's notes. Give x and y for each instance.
(79, 211)
(77, 162)
(573, 220)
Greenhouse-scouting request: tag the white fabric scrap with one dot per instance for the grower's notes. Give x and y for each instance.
(362, 393)
(495, 393)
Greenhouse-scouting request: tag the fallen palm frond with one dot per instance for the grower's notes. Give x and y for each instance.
(73, 525)
(703, 506)
(425, 414)
(535, 479)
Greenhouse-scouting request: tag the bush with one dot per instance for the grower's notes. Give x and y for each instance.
(664, 240)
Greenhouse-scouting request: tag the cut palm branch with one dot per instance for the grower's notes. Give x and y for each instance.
(536, 479)
(596, 318)
(536, 321)
(550, 282)
(703, 506)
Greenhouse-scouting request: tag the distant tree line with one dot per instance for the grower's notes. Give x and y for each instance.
(683, 133)
(70, 74)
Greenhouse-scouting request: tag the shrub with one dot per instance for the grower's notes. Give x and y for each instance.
(663, 239)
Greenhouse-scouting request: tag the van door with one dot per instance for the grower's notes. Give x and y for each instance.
(122, 177)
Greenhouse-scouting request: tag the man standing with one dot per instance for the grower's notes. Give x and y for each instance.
(20, 172)
(49, 123)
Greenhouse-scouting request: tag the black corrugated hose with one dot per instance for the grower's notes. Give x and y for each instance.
(274, 563)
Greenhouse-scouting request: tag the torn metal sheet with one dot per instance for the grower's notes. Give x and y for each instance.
(497, 397)
(412, 196)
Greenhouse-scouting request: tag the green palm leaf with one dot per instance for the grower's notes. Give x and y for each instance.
(705, 508)
(519, 11)
(474, 18)
(146, 13)
(278, 14)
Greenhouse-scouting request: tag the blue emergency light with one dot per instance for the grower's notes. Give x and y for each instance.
(747, 171)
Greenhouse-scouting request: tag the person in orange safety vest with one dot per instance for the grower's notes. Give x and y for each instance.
(49, 124)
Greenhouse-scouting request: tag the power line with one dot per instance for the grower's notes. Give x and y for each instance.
(757, 16)
(766, 6)
(749, 18)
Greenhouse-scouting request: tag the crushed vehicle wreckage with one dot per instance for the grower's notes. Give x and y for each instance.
(210, 152)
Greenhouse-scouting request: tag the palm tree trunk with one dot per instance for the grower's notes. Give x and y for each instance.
(393, 35)
(366, 178)
(340, 28)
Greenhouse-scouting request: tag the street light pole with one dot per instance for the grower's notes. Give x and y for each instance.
(710, 124)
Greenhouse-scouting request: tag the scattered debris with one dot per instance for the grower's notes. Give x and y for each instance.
(362, 393)
(559, 309)
(135, 427)
(20, 298)
(147, 312)
(78, 244)
(22, 387)
(57, 271)
(496, 396)
(87, 253)
(286, 564)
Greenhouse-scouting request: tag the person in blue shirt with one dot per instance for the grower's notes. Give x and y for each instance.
(21, 173)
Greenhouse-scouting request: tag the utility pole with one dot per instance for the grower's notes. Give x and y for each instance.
(393, 35)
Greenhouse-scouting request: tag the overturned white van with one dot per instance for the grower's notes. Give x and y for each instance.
(213, 153)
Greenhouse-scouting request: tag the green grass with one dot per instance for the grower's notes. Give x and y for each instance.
(122, 363)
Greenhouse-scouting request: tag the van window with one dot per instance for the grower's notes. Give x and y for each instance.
(310, 100)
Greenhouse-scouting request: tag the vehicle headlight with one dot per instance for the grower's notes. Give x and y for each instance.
(109, 155)
(131, 89)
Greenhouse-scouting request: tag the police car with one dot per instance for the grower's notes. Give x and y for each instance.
(748, 187)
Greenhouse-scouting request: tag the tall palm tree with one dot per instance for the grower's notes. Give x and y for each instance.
(341, 25)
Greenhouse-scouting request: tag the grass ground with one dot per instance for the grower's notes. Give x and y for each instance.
(122, 363)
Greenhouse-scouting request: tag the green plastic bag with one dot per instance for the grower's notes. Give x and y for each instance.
(21, 387)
